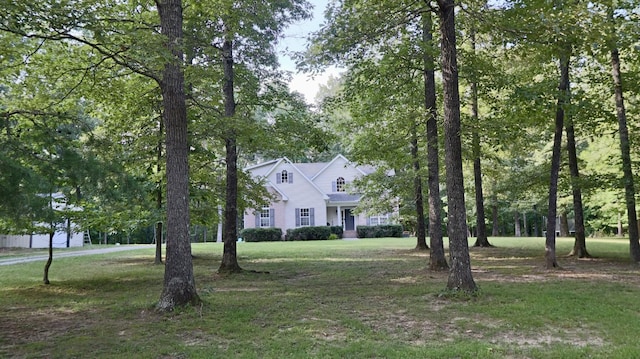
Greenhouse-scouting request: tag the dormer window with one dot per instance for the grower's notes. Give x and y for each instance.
(340, 184)
(284, 177)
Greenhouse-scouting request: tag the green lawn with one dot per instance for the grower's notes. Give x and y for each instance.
(370, 298)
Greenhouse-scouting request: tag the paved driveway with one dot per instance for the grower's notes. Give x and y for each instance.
(61, 253)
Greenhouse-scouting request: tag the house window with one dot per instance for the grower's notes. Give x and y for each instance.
(340, 184)
(284, 177)
(265, 217)
(379, 220)
(304, 217)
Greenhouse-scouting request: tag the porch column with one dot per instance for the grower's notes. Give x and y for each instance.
(340, 217)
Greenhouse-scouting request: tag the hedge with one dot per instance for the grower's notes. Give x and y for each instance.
(337, 230)
(385, 230)
(308, 233)
(261, 234)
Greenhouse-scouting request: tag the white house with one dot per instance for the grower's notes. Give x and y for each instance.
(66, 235)
(61, 239)
(309, 194)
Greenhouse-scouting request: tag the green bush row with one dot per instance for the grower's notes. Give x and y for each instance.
(261, 234)
(308, 233)
(385, 230)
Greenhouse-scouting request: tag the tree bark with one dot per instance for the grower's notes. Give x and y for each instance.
(629, 188)
(417, 186)
(230, 231)
(516, 224)
(564, 224)
(495, 229)
(437, 259)
(460, 277)
(580, 244)
(481, 227)
(158, 239)
(47, 265)
(620, 232)
(179, 283)
(563, 92)
(535, 221)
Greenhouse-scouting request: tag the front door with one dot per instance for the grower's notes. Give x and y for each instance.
(349, 221)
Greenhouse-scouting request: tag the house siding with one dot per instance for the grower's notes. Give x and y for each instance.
(327, 178)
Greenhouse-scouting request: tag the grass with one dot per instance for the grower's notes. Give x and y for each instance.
(370, 298)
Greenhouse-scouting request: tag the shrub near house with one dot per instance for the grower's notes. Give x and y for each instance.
(261, 234)
(385, 230)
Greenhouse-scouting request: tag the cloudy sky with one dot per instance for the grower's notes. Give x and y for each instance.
(294, 40)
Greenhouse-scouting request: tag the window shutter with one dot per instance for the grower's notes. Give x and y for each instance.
(257, 219)
(312, 221)
(297, 217)
(272, 217)
(290, 177)
(334, 186)
(278, 177)
(368, 221)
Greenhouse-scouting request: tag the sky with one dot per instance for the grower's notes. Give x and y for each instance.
(294, 40)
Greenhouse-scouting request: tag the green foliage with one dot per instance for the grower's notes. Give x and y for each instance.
(337, 231)
(380, 231)
(308, 233)
(261, 234)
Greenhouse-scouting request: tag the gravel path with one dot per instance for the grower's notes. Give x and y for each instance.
(57, 253)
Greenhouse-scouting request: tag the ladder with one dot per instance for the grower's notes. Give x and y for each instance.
(87, 238)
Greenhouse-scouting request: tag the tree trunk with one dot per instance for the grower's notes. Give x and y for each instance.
(158, 239)
(579, 245)
(620, 231)
(516, 224)
(524, 224)
(563, 92)
(230, 231)
(179, 283)
(417, 185)
(564, 224)
(481, 226)
(47, 265)
(629, 189)
(495, 230)
(437, 259)
(460, 277)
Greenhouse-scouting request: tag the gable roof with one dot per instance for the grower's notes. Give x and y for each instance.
(327, 165)
(308, 170)
(275, 163)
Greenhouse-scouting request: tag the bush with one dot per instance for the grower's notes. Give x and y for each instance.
(337, 230)
(308, 233)
(261, 234)
(385, 230)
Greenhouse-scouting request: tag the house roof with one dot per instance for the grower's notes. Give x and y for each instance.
(274, 164)
(327, 165)
(277, 190)
(309, 171)
(344, 197)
